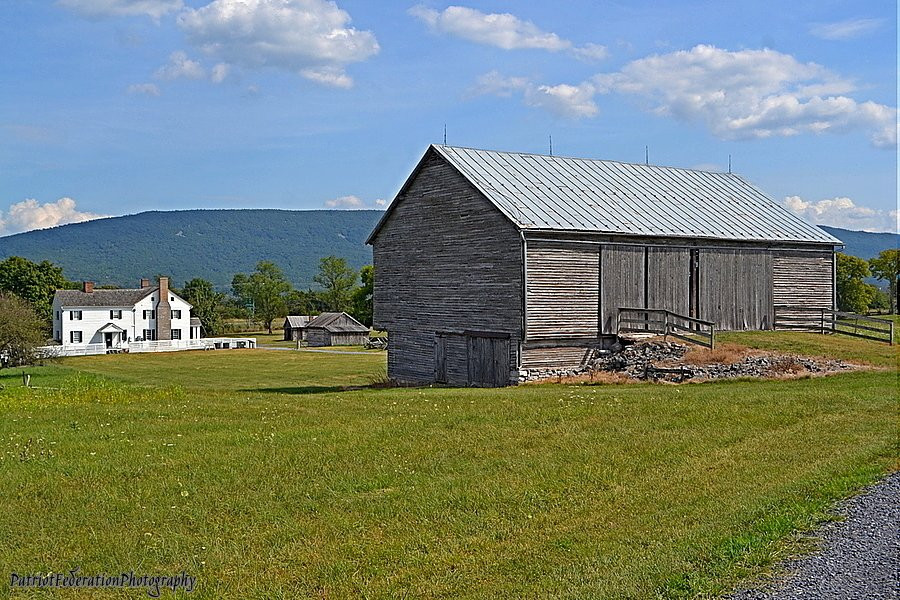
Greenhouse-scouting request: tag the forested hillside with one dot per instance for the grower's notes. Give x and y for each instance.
(212, 244)
(216, 244)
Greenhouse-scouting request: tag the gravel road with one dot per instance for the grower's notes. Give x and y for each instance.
(859, 556)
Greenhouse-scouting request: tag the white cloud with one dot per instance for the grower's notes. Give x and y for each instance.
(750, 94)
(29, 214)
(591, 52)
(502, 30)
(353, 202)
(149, 89)
(308, 37)
(845, 30)
(155, 9)
(843, 212)
(219, 72)
(495, 84)
(180, 66)
(573, 101)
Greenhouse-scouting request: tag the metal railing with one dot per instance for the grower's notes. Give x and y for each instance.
(663, 322)
(826, 320)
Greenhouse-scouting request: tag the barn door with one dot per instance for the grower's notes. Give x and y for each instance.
(440, 358)
(694, 284)
(488, 358)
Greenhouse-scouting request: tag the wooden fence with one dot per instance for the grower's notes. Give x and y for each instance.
(666, 323)
(826, 320)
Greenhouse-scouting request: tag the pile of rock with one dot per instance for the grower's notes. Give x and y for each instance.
(635, 360)
(662, 361)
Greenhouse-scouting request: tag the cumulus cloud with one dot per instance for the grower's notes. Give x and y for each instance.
(155, 9)
(353, 202)
(750, 94)
(843, 212)
(150, 89)
(311, 38)
(845, 30)
(180, 67)
(502, 30)
(219, 72)
(572, 101)
(30, 214)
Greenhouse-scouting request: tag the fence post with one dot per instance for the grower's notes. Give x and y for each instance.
(892, 333)
(823, 321)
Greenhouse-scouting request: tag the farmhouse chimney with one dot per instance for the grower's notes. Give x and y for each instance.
(87, 287)
(145, 283)
(163, 311)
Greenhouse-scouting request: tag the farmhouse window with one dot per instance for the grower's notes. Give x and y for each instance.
(75, 337)
(149, 314)
(176, 334)
(74, 315)
(57, 315)
(176, 314)
(149, 334)
(115, 314)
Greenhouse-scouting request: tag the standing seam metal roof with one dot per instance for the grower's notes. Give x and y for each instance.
(575, 194)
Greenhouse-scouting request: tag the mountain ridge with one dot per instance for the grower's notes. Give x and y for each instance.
(217, 243)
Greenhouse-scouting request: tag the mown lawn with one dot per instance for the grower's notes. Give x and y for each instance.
(225, 465)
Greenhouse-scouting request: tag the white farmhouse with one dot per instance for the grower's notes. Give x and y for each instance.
(116, 317)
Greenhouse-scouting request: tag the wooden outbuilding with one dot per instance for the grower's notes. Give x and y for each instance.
(335, 329)
(490, 265)
(294, 327)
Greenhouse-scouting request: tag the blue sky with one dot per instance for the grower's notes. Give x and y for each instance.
(112, 107)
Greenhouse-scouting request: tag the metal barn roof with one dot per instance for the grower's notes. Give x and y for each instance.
(337, 322)
(539, 192)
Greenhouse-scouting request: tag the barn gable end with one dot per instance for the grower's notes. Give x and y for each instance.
(448, 267)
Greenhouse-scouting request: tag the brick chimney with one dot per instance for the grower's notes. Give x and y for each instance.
(163, 311)
(145, 283)
(87, 287)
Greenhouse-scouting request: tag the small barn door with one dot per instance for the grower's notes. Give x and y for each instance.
(440, 358)
(488, 358)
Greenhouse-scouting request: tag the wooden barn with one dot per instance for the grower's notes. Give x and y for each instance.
(490, 265)
(335, 329)
(295, 327)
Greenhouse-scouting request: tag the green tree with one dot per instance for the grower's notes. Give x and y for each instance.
(208, 304)
(853, 294)
(34, 282)
(886, 266)
(304, 302)
(266, 288)
(21, 330)
(363, 296)
(337, 281)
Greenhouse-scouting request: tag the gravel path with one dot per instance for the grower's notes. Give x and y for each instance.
(859, 557)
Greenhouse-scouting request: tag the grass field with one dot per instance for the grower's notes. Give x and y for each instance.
(253, 471)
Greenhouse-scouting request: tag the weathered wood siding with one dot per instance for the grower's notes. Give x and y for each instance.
(555, 358)
(318, 337)
(735, 289)
(621, 281)
(669, 279)
(563, 290)
(445, 260)
(803, 279)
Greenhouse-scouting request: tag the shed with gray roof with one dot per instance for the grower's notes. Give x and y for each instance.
(490, 264)
(335, 329)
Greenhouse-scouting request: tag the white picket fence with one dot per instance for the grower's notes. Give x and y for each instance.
(147, 346)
